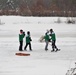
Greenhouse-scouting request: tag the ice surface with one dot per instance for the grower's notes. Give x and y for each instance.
(39, 62)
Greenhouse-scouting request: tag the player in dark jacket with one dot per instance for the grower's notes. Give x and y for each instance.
(21, 36)
(28, 41)
(53, 38)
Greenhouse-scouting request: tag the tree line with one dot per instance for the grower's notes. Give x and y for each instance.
(38, 7)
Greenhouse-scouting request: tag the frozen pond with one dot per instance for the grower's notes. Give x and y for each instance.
(39, 62)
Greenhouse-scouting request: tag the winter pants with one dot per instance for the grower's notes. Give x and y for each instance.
(53, 45)
(46, 46)
(21, 44)
(27, 45)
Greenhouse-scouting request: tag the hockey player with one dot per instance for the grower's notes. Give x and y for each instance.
(46, 37)
(28, 41)
(53, 38)
(21, 36)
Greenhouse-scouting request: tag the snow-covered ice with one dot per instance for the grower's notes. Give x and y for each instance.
(39, 62)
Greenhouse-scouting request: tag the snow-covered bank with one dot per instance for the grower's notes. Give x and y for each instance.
(37, 25)
(39, 62)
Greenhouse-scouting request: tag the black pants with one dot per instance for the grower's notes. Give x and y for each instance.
(53, 45)
(21, 44)
(27, 45)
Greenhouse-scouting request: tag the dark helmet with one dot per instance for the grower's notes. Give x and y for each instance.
(21, 30)
(51, 30)
(28, 32)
